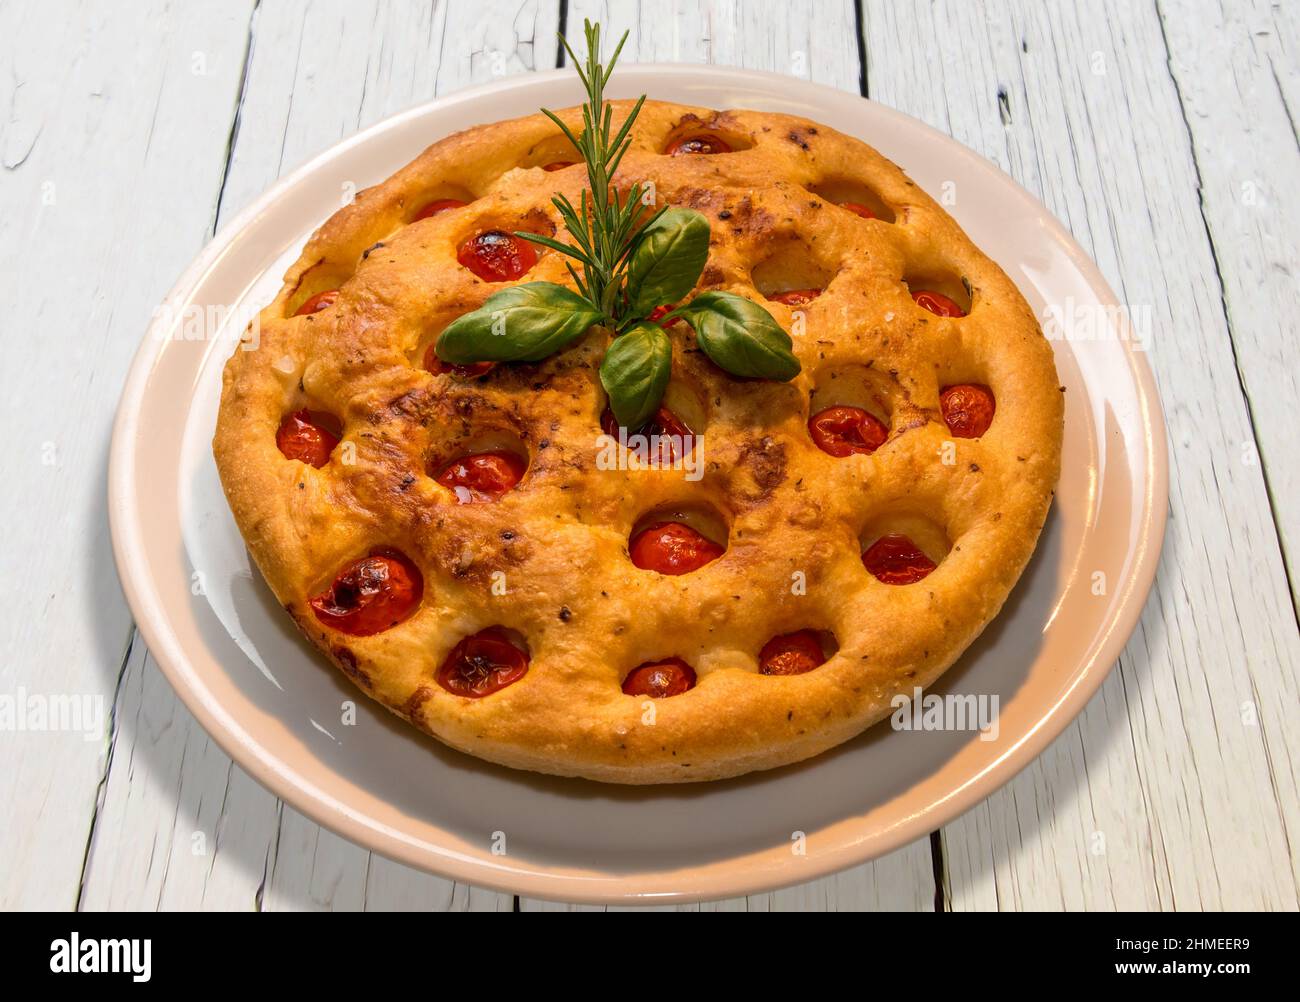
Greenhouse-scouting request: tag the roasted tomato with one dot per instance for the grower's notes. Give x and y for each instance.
(672, 432)
(795, 297)
(320, 301)
(483, 476)
(497, 256)
(844, 431)
(672, 548)
(371, 594)
(937, 303)
(896, 560)
(659, 312)
(660, 679)
(791, 654)
(482, 664)
(309, 436)
(436, 206)
(697, 144)
(858, 209)
(437, 366)
(967, 409)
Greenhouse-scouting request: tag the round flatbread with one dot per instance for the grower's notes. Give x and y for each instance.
(841, 538)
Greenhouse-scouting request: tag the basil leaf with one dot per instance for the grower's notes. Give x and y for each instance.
(635, 373)
(666, 263)
(740, 336)
(524, 323)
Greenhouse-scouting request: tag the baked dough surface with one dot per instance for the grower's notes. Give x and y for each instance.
(797, 518)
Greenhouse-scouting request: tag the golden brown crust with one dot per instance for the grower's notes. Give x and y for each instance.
(558, 543)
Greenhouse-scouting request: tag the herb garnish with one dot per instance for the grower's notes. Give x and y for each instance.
(631, 261)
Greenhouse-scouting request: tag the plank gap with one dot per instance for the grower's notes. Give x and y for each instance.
(108, 768)
(233, 137)
(936, 861)
(559, 64)
(860, 23)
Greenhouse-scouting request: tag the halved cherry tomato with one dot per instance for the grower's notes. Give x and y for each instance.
(697, 144)
(661, 311)
(664, 425)
(795, 297)
(857, 208)
(320, 301)
(791, 654)
(937, 303)
(497, 256)
(482, 664)
(437, 366)
(371, 594)
(896, 560)
(660, 679)
(845, 431)
(309, 436)
(559, 165)
(483, 476)
(436, 206)
(672, 548)
(967, 409)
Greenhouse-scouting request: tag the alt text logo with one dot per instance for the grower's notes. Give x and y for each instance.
(951, 712)
(61, 712)
(75, 955)
(651, 451)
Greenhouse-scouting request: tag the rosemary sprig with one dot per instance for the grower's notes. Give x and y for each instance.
(606, 228)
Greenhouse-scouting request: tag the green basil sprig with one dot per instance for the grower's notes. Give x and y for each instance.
(667, 261)
(629, 261)
(740, 336)
(525, 323)
(635, 373)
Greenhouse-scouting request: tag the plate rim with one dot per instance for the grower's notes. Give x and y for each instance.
(150, 616)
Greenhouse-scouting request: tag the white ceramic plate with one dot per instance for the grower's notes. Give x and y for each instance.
(274, 705)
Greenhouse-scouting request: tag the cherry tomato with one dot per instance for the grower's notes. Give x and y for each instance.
(660, 679)
(674, 437)
(497, 256)
(661, 311)
(318, 302)
(371, 594)
(672, 548)
(967, 409)
(937, 303)
(308, 436)
(795, 297)
(437, 366)
(697, 144)
(559, 165)
(846, 431)
(896, 560)
(791, 654)
(483, 476)
(857, 208)
(436, 206)
(482, 664)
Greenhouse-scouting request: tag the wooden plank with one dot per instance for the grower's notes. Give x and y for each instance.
(802, 38)
(1247, 157)
(1166, 792)
(315, 75)
(900, 881)
(1235, 69)
(814, 41)
(107, 136)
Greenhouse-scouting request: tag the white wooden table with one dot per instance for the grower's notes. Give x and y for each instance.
(1162, 133)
